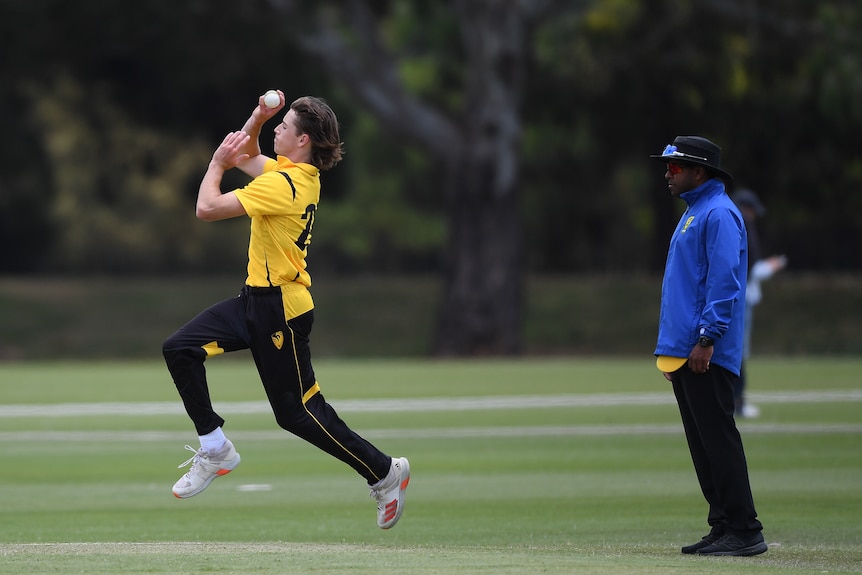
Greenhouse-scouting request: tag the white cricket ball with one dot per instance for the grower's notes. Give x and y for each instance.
(271, 99)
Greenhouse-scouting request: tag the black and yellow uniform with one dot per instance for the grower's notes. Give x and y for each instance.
(272, 317)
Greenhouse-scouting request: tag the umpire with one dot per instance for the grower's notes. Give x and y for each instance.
(699, 347)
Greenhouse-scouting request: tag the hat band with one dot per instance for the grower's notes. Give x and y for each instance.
(671, 151)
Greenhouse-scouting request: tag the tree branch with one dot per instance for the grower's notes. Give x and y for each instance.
(369, 72)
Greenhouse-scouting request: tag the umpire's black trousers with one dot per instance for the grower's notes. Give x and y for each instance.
(255, 320)
(706, 406)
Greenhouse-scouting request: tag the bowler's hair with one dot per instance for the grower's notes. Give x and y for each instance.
(315, 118)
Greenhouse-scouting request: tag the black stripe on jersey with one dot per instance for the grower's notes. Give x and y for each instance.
(268, 279)
(289, 181)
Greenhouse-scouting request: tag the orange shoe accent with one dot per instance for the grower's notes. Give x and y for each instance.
(221, 472)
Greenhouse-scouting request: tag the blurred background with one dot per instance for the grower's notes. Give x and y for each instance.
(497, 197)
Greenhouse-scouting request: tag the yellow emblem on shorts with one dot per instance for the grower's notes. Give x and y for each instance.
(278, 339)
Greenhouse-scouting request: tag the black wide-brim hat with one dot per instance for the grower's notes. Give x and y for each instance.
(696, 150)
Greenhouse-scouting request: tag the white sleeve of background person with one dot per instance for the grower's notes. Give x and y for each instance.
(760, 271)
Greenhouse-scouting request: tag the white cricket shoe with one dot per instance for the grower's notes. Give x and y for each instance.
(389, 493)
(206, 466)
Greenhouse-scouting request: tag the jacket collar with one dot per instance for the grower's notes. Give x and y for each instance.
(709, 188)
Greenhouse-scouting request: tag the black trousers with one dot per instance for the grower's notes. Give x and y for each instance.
(255, 320)
(706, 406)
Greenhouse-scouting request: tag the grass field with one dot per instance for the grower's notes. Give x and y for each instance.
(553, 466)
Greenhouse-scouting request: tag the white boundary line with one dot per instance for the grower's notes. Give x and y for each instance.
(426, 433)
(177, 547)
(414, 404)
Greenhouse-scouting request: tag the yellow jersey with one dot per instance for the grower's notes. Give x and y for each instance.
(281, 203)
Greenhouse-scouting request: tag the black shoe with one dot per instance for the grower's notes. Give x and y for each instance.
(708, 539)
(733, 546)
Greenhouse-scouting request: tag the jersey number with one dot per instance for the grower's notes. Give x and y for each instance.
(302, 240)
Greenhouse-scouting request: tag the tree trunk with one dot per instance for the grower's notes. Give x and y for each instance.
(482, 305)
(481, 310)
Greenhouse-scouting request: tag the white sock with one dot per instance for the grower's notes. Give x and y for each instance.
(213, 441)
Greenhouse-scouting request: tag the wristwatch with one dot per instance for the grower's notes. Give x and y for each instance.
(704, 341)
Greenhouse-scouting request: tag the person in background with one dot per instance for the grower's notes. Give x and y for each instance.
(699, 347)
(759, 269)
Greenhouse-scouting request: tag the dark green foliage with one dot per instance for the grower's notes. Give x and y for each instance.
(107, 106)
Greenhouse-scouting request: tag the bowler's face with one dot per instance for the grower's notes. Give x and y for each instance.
(287, 140)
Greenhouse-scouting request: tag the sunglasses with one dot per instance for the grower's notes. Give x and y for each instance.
(675, 169)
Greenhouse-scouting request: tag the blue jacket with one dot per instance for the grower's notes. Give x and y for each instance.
(703, 291)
